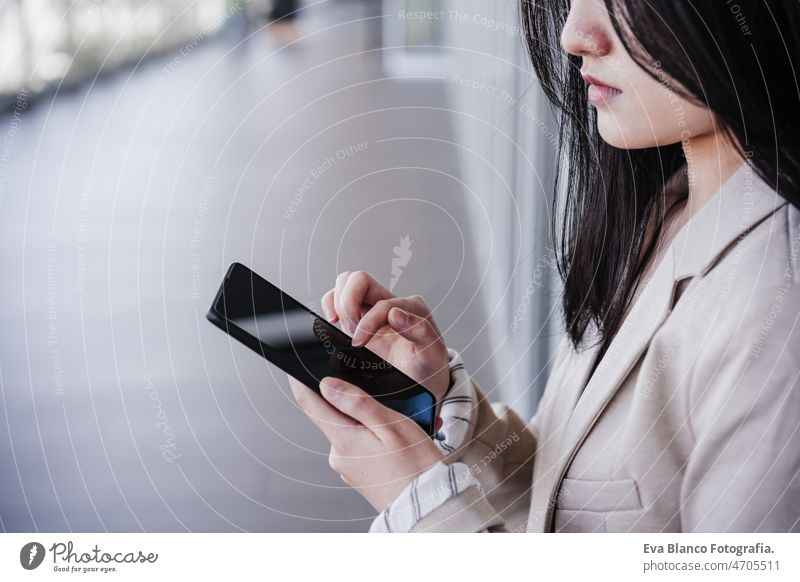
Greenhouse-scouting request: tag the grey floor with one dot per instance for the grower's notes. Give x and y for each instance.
(121, 204)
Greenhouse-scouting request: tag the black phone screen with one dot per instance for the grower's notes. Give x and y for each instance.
(305, 345)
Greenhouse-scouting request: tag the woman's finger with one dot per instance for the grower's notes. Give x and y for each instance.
(416, 329)
(409, 320)
(334, 424)
(328, 309)
(358, 405)
(358, 290)
(338, 290)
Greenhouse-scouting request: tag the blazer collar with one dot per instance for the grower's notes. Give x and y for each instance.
(742, 202)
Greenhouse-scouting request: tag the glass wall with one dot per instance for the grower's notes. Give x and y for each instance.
(506, 141)
(47, 43)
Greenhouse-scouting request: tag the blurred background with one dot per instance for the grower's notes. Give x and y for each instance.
(146, 145)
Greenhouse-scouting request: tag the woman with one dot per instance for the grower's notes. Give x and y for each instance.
(674, 401)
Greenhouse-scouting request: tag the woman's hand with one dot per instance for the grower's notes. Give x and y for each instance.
(375, 450)
(399, 329)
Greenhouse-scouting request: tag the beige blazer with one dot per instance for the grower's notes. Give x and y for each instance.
(691, 421)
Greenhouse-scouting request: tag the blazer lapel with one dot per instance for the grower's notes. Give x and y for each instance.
(559, 404)
(647, 314)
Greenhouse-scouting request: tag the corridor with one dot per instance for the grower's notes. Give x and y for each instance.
(124, 200)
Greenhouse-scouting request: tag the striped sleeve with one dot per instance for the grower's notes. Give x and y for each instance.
(424, 494)
(458, 407)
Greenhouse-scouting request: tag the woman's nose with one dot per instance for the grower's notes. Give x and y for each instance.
(585, 32)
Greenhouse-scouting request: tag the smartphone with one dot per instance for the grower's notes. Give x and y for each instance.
(306, 346)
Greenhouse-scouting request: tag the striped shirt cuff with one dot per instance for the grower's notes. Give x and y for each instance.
(424, 494)
(458, 407)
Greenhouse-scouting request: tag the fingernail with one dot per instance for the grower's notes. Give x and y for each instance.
(358, 337)
(402, 316)
(329, 386)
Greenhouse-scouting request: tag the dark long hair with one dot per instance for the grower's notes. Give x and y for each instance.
(735, 58)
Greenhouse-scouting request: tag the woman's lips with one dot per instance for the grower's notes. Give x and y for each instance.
(598, 92)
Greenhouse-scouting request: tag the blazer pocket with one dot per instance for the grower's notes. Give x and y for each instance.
(603, 496)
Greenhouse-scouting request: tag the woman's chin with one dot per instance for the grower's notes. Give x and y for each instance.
(638, 132)
(617, 135)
